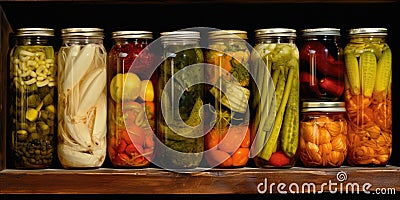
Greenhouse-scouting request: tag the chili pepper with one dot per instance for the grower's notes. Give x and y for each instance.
(240, 157)
(332, 67)
(111, 152)
(279, 159)
(332, 86)
(309, 84)
(121, 147)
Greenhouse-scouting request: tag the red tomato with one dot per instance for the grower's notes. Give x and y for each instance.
(240, 157)
(233, 139)
(216, 157)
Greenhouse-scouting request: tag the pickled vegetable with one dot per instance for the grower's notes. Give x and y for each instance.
(33, 81)
(369, 111)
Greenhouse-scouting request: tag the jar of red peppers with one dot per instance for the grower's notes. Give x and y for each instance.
(131, 113)
(33, 98)
(179, 100)
(368, 96)
(275, 128)
(323, 134)
(228, 142)
(321, 65)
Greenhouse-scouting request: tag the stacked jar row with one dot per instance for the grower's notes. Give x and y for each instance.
(217, 106)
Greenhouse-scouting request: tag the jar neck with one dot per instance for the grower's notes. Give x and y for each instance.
(367, 39)
(121, 41)
(33, 40)
(321, 37)
(275, 39)
(82, 40)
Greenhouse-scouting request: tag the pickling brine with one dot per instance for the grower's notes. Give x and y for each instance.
(179, 99)
(33, 75)
(131, 113)
(228, 142)
(82, 98)
(368, 96)
(275, 129)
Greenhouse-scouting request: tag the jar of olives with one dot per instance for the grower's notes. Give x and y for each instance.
(33, 101)
(275, 128)
(179, 101)
(130, 133)
(321, 65)
(368, 96)
(227, 143)
(323, 134)
(82, 98)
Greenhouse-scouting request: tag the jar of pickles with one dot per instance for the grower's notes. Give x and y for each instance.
(228, 142)
(321, 65)
(368, 96)
(179, 101)
(275, 128)
(33, 101)
(130, 133)
(82, 98)
(323, 134)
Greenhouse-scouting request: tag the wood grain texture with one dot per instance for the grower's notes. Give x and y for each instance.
(216, 181)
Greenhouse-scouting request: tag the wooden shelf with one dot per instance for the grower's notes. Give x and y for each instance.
(216, 181)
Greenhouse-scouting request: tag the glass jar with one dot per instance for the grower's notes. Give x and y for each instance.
(323, 134)
(228, 142)
(82, 98)
(33, 104)
(368, 96)
(321, 65)
(179, 100)
(275, 129)
(130, 135)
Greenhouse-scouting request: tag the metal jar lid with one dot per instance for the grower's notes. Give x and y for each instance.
(133, 34)
(180, 36)
(35, 32)
(227, 34)
(368, 31)
(323, 107)
(82, 32)
(321, 31)
(278, 32)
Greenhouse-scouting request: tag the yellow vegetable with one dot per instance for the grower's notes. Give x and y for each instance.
(147, 90)
(383, 73)
(352, 72)
(125, 86)
(368, 67)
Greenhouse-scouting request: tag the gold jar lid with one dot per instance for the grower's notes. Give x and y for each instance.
(35, 32)
(227, 34)
(278, 32)
(321, 31)
(133, 34)
(180, 36)
(323, 107)
(82, 32)
(368, 31)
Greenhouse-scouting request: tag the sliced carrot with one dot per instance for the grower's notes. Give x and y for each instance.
(240, 157)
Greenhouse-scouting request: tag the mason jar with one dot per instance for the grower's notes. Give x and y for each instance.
(275, 128)
(321, 65)
(323, 134)
(179, 99)
(33, 98)
(368, 96)
(130, 133)
(82, 98)
(227, 144)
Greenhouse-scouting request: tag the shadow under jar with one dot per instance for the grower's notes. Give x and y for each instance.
(368, 97)
(33, 72)
(82, 98)
(131, 113)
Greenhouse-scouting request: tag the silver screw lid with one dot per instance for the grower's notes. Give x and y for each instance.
(82, 32)
(35, 32)
(323, 107)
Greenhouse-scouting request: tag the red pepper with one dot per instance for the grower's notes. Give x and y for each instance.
(309, 84)
(332, 86)
(279, 159)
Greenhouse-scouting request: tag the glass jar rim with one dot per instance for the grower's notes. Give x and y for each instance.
(132, 34)
(368, 31)
(82, 32)
(35, 32)
(279, 32)
(320, 31)
(180, 36)
(323, 106)
(227, 34)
